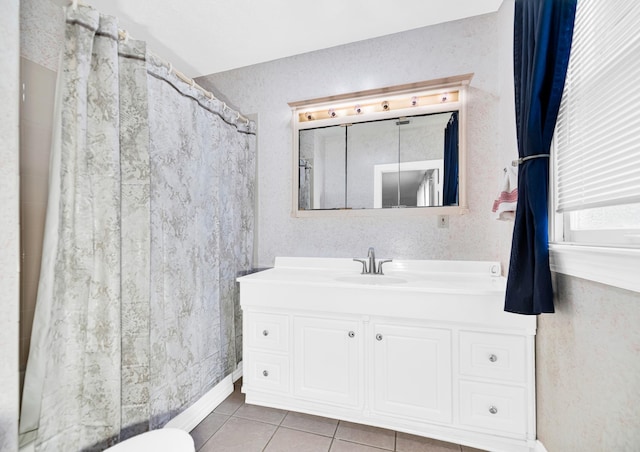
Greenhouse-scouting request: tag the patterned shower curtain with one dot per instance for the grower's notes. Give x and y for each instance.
(149, 222)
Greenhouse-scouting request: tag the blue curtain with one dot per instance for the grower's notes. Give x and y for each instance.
(543, 30)
(450, 183)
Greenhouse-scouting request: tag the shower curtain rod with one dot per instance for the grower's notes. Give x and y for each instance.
(124, 35)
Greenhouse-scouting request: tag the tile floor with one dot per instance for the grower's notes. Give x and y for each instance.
(237, 427)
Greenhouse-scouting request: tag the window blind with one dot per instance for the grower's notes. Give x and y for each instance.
(597, 137)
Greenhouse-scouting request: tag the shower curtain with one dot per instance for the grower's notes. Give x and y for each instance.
(149, 222)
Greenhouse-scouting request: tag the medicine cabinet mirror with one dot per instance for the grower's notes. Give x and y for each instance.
(380, 152)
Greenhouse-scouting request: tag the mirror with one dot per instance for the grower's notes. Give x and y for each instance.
(397, 162)
(397, 150)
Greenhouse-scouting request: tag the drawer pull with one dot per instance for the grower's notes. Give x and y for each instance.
(493, 358)
(265, 332)
(378, 337)
(493, 410)
(265, 373)
(352, 334)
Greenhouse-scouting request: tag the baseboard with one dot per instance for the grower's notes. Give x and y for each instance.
(540, 447)
(238, 372)
(30, 447)
(192, 416)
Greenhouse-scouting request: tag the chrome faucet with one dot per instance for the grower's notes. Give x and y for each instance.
(371, 255)
(371, 269)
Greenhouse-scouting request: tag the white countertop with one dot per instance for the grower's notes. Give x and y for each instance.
(460, 292)
(463, 277)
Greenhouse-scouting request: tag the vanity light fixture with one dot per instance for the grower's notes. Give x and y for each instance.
(363, 104)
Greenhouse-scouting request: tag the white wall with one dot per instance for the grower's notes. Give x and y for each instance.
(507, 116)
(470, 45)
(9, 223)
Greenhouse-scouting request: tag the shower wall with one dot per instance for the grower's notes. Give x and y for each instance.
(36, 110)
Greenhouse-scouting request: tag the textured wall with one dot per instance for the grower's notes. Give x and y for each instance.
(508, 144)
(9, 224)
(588, 369)
(448, 49)
(41, 32)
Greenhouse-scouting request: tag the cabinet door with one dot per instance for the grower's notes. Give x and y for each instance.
(412, 371)
(327, 360)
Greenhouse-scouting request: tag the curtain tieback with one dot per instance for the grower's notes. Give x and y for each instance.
(521, 160)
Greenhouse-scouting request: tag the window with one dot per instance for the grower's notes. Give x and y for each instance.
(596, 164)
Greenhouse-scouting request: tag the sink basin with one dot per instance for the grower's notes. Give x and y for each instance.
(371, 280)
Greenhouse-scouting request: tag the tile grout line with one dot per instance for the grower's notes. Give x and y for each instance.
(217, 430)
(280, 426)
(363, 444)
(275, 431)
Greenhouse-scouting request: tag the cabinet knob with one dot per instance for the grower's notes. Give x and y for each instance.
(265, 373)
(265, 332)
(493, 410)
(352, 334)
(378, 337)
(493, 358)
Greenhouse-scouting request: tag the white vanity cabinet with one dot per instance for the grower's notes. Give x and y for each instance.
(327, 360)
(422, 357)
(411, 371)
(493, 381)
(266, 351)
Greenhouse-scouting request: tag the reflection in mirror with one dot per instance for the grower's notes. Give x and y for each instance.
(410, 184)
(398, 162)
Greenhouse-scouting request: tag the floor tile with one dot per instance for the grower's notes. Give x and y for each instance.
(260, 413)
(345, 446)
(240, 435)
(231, 403)
(235, 426)
(365, 434)
(308, 423)
(413, 443)
(207, 428)
(287, 440)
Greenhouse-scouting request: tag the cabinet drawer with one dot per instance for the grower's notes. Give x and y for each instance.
(495, 356)
(494, 407)
(266, 371)
(267, 331)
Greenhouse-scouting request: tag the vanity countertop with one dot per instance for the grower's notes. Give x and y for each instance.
(442, 290)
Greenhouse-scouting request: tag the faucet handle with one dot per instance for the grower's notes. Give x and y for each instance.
(380, 265)
(364, 264)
